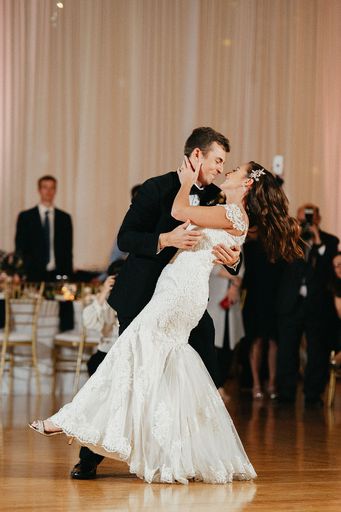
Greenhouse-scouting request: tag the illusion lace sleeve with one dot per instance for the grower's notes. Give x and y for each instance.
(235, 215)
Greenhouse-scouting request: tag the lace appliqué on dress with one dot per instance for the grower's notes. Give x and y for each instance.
(162, 423)
(235, 215)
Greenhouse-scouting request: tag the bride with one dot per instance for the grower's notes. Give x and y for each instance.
(152, 402)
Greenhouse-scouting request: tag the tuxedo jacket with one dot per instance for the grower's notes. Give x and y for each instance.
(316, 273)
(148, 216)
(29, 241)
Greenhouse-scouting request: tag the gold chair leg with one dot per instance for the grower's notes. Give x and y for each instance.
(331, 388)
(36, 367)
(3, 360)
(37, 376)
(11, 370)
(11, 362)
(54, 369)
(78, 366)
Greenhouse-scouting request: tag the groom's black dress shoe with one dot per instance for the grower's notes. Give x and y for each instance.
(84, 471)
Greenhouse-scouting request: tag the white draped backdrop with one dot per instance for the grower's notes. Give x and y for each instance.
(106, 98)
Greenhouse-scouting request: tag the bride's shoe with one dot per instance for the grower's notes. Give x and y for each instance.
(38, 426)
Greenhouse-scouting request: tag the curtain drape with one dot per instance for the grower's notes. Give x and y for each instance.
(105, 97)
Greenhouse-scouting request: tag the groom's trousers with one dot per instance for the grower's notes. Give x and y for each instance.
(201, 339)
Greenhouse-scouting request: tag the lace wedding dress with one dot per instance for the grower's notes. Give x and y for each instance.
(152, 402)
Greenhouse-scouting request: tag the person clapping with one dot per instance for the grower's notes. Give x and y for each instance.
(101, 317)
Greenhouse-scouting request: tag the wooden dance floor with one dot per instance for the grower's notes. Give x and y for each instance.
(296, 453)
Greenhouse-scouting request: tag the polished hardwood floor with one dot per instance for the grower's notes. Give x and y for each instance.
(296, 453)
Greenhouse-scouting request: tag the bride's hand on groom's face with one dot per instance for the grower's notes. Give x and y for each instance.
(188, 172)
(224, 255)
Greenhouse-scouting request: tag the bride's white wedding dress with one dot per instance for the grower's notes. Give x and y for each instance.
(152, 402)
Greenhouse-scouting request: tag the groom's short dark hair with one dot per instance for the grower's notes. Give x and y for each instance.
(203, 138)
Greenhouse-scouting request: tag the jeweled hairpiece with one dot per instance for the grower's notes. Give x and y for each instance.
(255, 174)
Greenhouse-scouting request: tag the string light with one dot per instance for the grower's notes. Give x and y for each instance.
(54, 16)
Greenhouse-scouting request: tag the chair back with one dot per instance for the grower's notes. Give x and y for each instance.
(22, 306)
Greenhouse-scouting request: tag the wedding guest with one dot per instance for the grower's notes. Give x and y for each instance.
(101, 317)
(224, 308)
(10, 271)
(44, 236)
(336, 289)
(260, 282)
(305, 306)
(3, 278)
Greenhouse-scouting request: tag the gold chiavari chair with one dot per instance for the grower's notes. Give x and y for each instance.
(79, 341)
(22, 306)
(334, 373)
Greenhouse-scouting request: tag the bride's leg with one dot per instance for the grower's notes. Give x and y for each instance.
(272, 355)
(255, 363)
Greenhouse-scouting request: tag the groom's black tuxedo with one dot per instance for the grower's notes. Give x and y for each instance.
(148, 216)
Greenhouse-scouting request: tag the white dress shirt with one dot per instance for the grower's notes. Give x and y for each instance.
(42, 210)
(194, 199)
(103, 319)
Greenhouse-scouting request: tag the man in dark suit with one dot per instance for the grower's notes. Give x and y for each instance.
(305, 307)
(152, 236)
(44, 236)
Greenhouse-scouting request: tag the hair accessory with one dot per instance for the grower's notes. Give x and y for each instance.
(255, 174)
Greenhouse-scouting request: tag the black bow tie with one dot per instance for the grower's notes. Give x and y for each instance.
(195, 191)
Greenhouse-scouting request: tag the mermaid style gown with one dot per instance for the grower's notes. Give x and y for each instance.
(151, 402)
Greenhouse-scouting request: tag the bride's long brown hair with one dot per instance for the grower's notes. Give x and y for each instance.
(267, 207)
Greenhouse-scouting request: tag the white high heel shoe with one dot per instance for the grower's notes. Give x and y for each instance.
(38, 426)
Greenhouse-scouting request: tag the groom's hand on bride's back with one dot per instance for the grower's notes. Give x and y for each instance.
(180, 237)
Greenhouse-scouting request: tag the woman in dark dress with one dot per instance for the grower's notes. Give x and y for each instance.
(261, 280)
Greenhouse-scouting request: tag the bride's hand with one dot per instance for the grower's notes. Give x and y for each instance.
(186, 172)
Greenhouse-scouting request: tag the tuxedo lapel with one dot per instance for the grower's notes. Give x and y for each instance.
(175, 185)
(36, 218)
(38, 227)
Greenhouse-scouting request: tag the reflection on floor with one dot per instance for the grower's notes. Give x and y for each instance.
(297, 455)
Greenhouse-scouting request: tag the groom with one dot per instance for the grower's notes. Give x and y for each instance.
(152, 236)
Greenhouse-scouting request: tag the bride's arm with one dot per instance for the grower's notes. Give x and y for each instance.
(202, 216)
